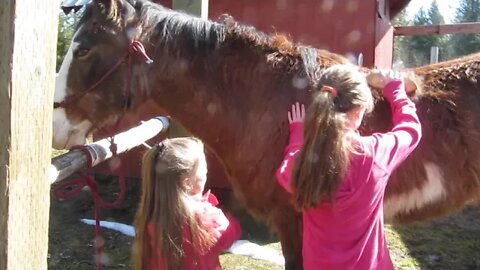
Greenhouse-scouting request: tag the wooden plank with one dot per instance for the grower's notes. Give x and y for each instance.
(442, 29)
(65, 165)
(28, 39)
(194, 7)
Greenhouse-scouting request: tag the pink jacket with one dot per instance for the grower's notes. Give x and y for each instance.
(350, 233)
(224, 227)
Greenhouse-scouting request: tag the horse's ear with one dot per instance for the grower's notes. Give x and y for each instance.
(110, 6)
(114, 9)
(104, 6)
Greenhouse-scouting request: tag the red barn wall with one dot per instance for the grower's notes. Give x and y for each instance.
(347, 27)
(343, 26)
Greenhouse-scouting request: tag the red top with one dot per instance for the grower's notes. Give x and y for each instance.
(224, 227)
(350, 234)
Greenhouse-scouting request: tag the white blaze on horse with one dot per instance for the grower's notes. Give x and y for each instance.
(68, 132)
(230, 85)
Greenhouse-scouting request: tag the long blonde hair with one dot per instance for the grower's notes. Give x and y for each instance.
(325, 156)
(164, 202)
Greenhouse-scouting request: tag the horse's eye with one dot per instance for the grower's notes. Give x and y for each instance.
(81, 52)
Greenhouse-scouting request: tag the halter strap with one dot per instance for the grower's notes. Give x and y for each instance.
(135, 46)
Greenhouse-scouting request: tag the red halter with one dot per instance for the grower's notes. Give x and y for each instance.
(134, 47)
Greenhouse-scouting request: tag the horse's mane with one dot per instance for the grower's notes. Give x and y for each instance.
(440, 75)
(197, 37)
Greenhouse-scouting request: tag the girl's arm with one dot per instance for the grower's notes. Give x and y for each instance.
(231, 234)
(225, 228)
(392, 148)
(284, 172)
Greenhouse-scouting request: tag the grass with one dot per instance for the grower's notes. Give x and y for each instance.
(448, 243)
(236, 262)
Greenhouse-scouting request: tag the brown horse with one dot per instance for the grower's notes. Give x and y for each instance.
(232, 85)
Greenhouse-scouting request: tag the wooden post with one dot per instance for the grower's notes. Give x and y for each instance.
(194, 7)
(28, 37)
(197, 8)
(433, 55)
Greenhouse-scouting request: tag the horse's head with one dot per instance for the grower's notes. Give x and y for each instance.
(92, 86)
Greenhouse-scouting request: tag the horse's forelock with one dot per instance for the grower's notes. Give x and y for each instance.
(114, 11)
(86, 16)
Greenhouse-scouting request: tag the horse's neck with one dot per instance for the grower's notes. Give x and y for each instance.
(213, 91)
(195, 101)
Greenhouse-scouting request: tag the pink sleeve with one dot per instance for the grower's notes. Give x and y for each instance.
(392, 148)
(230, 235)
(284, 172)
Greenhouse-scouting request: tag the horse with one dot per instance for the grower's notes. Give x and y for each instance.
(231, 85)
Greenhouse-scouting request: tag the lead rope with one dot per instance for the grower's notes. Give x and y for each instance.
(68, 189)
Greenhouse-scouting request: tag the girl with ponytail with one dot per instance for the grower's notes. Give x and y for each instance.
(338, 177)
(177, 227)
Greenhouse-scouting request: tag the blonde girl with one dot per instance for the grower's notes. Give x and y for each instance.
(177, 226)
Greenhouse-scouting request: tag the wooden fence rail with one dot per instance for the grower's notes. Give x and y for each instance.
(66, 164)
(442, 29)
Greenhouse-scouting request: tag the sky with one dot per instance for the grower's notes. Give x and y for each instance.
(447, 8)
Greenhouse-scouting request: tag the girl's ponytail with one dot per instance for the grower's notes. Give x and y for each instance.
(324, 158)
(322, 161)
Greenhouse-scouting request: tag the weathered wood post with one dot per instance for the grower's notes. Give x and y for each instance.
(434, 54)
(28, 37)
(195, 7)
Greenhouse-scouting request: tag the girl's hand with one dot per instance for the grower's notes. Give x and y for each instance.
(393, 75)
(297, 114)
(379, 78)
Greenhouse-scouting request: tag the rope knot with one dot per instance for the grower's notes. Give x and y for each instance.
(72, 187)
(113, 147)
(137, 47)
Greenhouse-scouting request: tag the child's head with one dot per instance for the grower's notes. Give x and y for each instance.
(173, 172)
(351, 94)
(176, 166)
(337, 107)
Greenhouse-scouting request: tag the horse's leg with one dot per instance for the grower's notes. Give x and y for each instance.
(288, 224)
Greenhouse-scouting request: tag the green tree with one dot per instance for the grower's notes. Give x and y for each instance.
(418, 47)
(65, 34)
(441, 41)
(400, 45)
(468, 11)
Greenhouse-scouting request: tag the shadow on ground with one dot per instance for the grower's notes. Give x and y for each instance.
(447, 243)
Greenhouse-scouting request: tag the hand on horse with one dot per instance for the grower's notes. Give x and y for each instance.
(378, 78)
(381, 77)
(297, 114)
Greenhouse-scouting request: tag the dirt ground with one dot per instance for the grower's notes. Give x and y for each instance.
(448, 243)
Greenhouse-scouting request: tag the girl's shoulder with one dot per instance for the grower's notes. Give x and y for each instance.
(362, 146)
